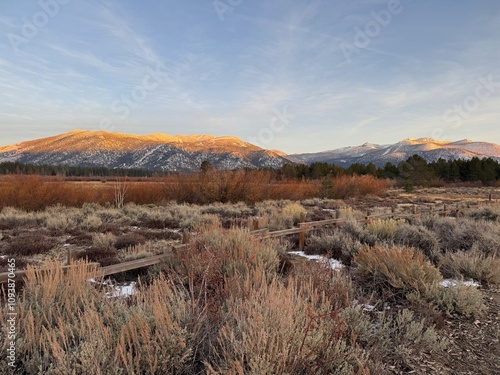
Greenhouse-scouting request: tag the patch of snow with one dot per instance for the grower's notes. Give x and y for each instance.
(122, 291)
(66, 245)
(447, 283)
(334, 263)
(367, 307)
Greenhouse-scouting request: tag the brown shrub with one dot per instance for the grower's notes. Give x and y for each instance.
(20, 263)
(97, 254)
(81, 239)
(129, 239)
(28, 244)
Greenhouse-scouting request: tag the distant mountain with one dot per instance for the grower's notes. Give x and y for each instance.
(153, 151)
(428, 148)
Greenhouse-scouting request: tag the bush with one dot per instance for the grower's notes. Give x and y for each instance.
(98, 254)
(278, 329)
(279, 215)
(339, 245)
(455, 235)
(397, 268)
(29, 244)
(421, 238)
(358, 232)
(59, 223)
(11, 218)
(485, 213)
(393, 338)
(91, 223)
(383, 229)
(106, 240)
(21, 263)
(473, 264)
(129, 240)
(358, 186)
(406, 273)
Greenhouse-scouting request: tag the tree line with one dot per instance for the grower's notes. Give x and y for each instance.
(415, 170)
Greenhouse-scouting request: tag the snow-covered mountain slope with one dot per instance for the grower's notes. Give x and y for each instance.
(430, 149)
(153, 151)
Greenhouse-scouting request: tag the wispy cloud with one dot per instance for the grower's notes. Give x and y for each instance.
(228, 77)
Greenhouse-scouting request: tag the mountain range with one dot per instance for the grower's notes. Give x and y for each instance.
(157, 151)
(428, 148)
(181, 153)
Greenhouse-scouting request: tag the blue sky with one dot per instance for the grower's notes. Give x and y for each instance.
(293, 75)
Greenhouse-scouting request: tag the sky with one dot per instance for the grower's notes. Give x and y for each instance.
(292, 75)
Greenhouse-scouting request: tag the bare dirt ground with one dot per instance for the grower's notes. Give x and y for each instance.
(474, 346)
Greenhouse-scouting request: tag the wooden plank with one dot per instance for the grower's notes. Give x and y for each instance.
(133, 264)
(285, 232)
(259, 232)
(19, 275)
(320, 222)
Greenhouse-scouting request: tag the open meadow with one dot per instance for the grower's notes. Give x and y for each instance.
(384, 283)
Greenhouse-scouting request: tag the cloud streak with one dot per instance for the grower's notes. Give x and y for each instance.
(230, 77)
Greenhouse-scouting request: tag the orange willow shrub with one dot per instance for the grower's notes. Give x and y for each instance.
(32, 192)
(358, 186)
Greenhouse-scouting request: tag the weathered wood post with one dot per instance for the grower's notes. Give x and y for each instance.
(255, 223)
(302, 235)
(367, 217)
(489, 197)
(69, 256)
(185, 236)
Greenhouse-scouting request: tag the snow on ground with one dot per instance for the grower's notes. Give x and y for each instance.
(121, 291)
(452, 282)
(334, 263)
(116, 291)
